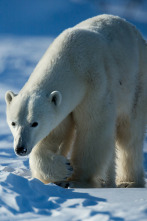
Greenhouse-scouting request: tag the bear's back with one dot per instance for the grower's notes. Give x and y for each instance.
(110, 28)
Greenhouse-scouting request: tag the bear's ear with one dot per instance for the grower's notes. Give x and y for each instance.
(9, 96)
(55, 98)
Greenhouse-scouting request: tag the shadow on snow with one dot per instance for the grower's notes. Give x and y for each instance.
(33, 196)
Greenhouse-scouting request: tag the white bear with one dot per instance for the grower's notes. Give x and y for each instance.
(87, 97)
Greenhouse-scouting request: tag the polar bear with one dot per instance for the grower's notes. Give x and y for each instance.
(82, 114)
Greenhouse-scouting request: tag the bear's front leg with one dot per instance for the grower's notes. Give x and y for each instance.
(48, 166)
(94, 147)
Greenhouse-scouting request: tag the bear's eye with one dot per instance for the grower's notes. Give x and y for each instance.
(35, 124)
(13, 124)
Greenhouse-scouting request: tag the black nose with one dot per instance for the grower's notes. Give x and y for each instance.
(20, 150)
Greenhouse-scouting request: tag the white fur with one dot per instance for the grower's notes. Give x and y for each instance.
(89, 92)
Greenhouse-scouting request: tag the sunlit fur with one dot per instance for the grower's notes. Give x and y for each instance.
(99, 68)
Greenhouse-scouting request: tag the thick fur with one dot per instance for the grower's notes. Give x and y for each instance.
(97, 72)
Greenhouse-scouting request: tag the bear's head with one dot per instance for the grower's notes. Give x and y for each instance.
(31, 117)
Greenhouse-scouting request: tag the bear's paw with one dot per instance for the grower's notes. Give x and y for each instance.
(62, 169)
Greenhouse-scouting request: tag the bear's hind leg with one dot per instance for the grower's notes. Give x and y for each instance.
(130, 135)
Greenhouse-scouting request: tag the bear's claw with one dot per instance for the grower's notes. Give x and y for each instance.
(68, 163)
(69, 167)
(64, 184)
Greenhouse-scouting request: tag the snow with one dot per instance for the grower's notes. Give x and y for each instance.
(21, 196)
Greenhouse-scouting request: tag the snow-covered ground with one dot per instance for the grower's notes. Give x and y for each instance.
(24, 198)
